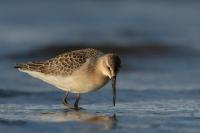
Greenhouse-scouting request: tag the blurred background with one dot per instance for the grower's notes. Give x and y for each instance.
(158, 41)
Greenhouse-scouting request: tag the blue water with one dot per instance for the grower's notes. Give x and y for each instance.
(155, 93)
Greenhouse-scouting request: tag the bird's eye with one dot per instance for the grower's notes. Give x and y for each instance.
(108, 68)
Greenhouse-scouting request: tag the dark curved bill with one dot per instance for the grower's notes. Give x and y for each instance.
(114, 89)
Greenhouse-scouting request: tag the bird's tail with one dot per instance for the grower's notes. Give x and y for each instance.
(18, 65)
(31, 66)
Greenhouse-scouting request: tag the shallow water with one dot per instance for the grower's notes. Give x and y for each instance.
(158, 97)
(158, 90)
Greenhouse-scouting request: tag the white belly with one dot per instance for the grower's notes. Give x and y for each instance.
(77, 83)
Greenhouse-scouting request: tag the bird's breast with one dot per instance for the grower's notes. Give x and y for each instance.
(83, 83)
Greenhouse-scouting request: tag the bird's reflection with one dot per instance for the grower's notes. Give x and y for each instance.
(105, 122)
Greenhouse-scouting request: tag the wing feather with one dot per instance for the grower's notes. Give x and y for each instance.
(63, 64)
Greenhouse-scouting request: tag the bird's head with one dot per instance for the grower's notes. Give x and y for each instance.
(111, 64)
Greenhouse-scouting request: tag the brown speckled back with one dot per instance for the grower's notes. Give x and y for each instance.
(64, 64)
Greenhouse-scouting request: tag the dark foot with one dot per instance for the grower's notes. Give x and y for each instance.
(77, 107)
(65, 103)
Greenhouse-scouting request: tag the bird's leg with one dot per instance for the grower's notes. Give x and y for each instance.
(65, 98)
(76, 102)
